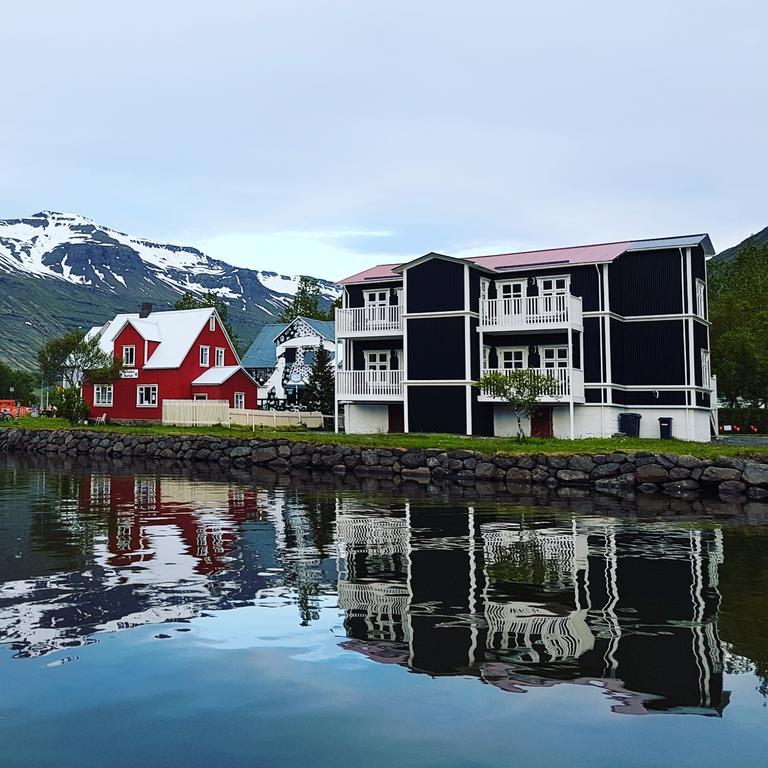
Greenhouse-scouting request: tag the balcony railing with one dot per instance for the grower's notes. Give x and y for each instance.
(567, 381)
(369, 385)
(531, 312)
(369, 321)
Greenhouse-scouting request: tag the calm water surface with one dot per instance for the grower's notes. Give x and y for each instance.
(148, 618)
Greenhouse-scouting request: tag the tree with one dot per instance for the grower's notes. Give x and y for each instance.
(522, 388)
(739, 316)
(70, 404)
(23, 383)
(320, 391)
(66, 359)
(190, 301)
(305, 303)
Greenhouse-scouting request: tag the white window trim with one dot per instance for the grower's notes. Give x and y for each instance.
(132, 347)
(200, 396)
(212, 323)
(523, 282)
(566, 290)
(486, 357)
(223, 352)
(500, 354)
(485, 288)
(706, 381)
(701, 298)
(110, 388)
(555, 346)
(367, 352)
(235, 399)
(207, 363)
(139, 404)
(376, 302)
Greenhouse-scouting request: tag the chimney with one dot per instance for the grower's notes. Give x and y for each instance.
(146, 308)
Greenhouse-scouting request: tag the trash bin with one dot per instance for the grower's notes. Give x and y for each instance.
(665, 427)
(629, 424)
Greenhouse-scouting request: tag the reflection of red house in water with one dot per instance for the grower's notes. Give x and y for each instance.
(161, 520)
(175, 355)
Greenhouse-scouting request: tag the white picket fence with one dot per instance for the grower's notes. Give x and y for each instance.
(196, 413)
(253, 419)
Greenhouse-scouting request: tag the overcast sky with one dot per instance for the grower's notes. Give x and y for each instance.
(321, 136)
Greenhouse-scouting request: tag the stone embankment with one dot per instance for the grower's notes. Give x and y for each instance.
(616, 473)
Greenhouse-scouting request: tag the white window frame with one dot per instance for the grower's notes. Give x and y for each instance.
(485, 288)
(205, 356)
(511, 284)
(100, 389)
(486, 358)
(219, 353)
(557, 359)
(152, 387)
(500, 351)
(706, 370)
(212, 323)
(374, 365)
(239, 401)
(132, 362)
(200, 396)
(377, 301)
(554, 290)
(701, 292)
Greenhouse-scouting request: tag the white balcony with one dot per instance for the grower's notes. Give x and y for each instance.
(380, 321)
(366, 386)
(569, 381)
(531, 313)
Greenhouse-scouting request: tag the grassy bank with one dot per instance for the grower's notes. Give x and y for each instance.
(446, 442)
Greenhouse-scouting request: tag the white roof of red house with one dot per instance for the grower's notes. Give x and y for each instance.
(217, 375)
(175, 330)
(572, 255)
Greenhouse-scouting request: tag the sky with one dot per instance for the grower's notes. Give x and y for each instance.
(323, 136)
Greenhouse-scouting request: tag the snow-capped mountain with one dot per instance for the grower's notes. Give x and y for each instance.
(59, 271)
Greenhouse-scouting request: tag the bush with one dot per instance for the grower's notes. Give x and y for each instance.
(745, 421)
(70, 404)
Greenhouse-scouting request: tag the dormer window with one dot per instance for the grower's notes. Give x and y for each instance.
(129, 356)
(205, 357)
(212, 323)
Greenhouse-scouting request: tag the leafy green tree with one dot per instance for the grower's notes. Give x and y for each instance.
(306, 303)
(522, 388)
(24, 384)
(70, 404)
(66, 359)
(738, 311)
(320, 391)
(190, 301)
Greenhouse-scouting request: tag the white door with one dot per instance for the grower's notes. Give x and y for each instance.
(512, 296)
(376, 308)
(553, 293)
(377, 366)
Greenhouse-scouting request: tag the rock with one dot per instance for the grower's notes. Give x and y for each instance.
(412, 459)
(648, 487)
(581, 464)
(609, 469)
(526, 462)
(572, 476)
(557, 462)
(755, 474)
(651, 473)
(679, 473)
(465, 477)
(719, 475)
(433, 461)
(539, 475)
(680, 487)
(416, 473)
(688, 462)
(487, 471)
(471, 464)
(758, 494)
(615, 485)
(515, 475)
(731, 488)
(369, 457)
(726, 461)
(263, 455)
(461, 454)
(240, 452)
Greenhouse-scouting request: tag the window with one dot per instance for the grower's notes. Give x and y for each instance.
(376, 360)
(212, 323)
(146, 396)
(205, 357)
(103, 394)
(486, 358)
(219, 356)
(129, 356)
(309, 357)
(200, 396)
(510, 289)
(485, 286)
(706, 373)
(700, 297)
(239, 400)
(512, 358)
(553, 285)
(376, 298)
(554, 357)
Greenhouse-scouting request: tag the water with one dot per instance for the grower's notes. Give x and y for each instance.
(152, 617)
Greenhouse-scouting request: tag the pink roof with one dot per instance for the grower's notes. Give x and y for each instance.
(577, 254)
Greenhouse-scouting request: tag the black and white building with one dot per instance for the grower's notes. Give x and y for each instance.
(621, 326)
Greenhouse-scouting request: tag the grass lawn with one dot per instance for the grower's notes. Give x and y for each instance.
(446, 442)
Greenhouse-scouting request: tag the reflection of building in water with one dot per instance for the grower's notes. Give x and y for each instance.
(632, 608)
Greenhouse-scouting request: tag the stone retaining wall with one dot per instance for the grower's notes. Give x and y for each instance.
(616, 473)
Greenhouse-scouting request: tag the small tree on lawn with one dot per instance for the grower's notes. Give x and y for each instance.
(67, 359)
(522, 388)
(320, 391)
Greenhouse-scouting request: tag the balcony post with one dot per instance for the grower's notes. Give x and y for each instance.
(570, 380)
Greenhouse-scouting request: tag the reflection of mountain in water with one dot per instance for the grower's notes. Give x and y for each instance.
(517, 601)
(632, 609)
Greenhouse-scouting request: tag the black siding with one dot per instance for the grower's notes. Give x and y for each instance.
(437, 409)
(592, 371)
(646, 283)
(355, 292)
(699, 343)
(474, 349)
(436, 285)
(482, 416)
(363, 345)
(436, 348)
(647, 352)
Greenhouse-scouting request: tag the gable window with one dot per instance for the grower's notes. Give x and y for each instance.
(212, 323)
(129, 356)
(700, 298)
(512, 358)
(706, 372)
(205, 357)
(146, 396)
(554, 357)
(219, 357)
(239, 400)
(103, 394)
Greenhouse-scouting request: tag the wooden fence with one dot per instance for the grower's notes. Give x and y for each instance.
(253, 419)
(196, 413)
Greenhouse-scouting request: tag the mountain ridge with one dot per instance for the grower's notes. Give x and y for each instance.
(760, 238)
(60, 271)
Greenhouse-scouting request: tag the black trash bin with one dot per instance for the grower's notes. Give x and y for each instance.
(629, 424)
(665, 427)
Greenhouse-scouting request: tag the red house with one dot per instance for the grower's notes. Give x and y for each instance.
(177, 355)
